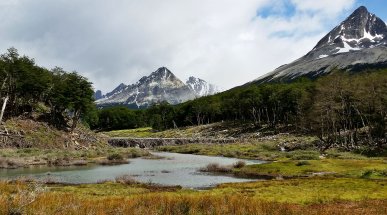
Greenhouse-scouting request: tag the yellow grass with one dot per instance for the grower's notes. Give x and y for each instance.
(298, 196)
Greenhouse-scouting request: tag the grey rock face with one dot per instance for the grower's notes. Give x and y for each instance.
(201, 87)
(98, 95)
(116, 90)
(161, 85)
(361, 39)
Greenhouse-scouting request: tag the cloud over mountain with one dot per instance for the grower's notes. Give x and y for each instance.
(121, 41)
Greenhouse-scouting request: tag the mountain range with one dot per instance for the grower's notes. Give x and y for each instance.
(360, 41)
(161, 85)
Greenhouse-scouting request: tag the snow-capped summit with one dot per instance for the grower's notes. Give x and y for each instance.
(161, 85)
(360, 30)
(360, 40)
(201, 87)
(162, 78)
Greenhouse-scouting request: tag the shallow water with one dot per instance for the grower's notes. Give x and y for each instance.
(175, 169)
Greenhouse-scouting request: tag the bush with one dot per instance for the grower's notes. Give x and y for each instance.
(302, 163)
(126, 179)
(367, 174)
(215, 167)
(239, 164)
(115, 156)
(114, 159)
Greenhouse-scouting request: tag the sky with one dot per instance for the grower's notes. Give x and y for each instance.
(225, 42)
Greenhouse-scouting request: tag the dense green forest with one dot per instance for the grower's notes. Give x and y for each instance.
(344, 110)
(55, 96)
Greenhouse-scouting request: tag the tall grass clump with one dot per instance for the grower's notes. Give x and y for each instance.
(215, 167)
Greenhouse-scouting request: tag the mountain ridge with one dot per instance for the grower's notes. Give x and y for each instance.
(360, 40)
(160, 85)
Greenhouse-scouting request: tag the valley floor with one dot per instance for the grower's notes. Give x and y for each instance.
(301, 181)
(294, 196)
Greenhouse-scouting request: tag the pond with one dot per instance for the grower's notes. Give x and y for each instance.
(173, 169)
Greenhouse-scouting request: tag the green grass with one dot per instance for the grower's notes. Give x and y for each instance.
(215, 130)
(50, 156)
(150, 133)
(251, 149)
(313, 190)
(246, 150)
(300, 191)
(137, 133)
(103, 189)
(342, 168)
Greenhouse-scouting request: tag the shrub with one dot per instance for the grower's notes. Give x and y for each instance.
(115, 156)
(126, 179)
(302, 163)
(215, 167)
(367, 174)
(239, 164)
(134, 154)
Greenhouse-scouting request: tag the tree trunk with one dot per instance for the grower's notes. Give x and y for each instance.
(3, 108)
(75, 121)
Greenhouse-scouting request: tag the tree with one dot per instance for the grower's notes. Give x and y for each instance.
(71, 96)
(80, 94)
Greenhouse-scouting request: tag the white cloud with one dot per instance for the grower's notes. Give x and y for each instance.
(327, 7)
(222, 41)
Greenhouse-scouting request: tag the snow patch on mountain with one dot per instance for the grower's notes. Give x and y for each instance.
(201, 87)
(359, 39)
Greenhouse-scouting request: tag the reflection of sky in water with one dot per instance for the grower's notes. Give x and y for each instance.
(177, 169)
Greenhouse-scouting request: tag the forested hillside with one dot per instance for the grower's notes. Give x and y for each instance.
(344, 110)
(54, 96)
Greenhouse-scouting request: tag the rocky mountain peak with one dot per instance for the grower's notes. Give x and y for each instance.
(160, 85)
(162, 76)
(360, 40)
(117, 90)
(201, 87)
(360, 30)
(162, 73)
(98, 95)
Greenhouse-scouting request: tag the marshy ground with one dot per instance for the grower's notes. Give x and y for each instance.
(302, 180)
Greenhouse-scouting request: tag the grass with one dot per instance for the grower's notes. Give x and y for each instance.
(265, 150)
(150, 133)
(215, 130)
(215, 167)
(375, 169)
(311, 190)
(63, 157)
(245, 150)
(137, 133)
(29, 133)
(301, 148)
(296, 196)
(331, 183)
